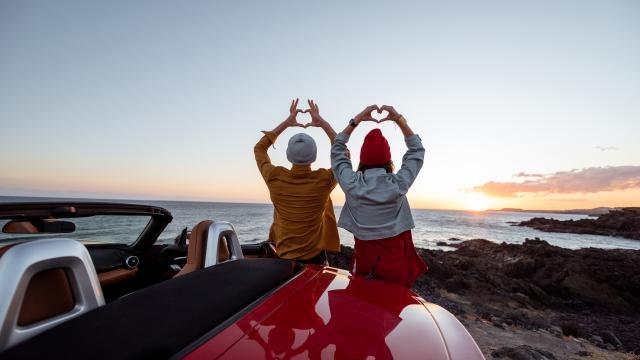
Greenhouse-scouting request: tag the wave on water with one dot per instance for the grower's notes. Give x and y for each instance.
(252, 222)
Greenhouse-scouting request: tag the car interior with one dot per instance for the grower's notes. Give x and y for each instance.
(60, 287)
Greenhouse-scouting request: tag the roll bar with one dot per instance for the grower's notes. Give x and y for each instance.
(217, 231)
(22, 262)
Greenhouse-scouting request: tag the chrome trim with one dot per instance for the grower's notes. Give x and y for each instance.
(21, 262)
(217, 230)
(131, 258)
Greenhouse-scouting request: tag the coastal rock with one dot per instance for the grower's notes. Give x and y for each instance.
(610, 338)
(584, 353)
(622, 223)
(497, 322)
(522, 352)
(536, 286)
(596, 340)
(539, 274)
(572, 328)
(456, 283)
(555, 330)
(520, 268)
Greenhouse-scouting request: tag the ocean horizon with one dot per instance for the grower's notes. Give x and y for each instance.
(252, 221)
(26, 198)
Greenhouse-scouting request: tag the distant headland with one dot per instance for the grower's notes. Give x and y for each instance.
(591, 212)
(623, 222)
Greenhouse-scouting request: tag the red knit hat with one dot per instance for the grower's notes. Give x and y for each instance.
(375, 149)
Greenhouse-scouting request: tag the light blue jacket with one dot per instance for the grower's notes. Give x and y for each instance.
(376, 205)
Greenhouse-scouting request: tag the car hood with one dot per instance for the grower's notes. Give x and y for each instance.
(329, 313)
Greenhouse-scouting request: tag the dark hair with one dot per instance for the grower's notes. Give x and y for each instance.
(388, 166)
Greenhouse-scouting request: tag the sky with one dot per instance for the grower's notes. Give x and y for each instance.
(519, 104)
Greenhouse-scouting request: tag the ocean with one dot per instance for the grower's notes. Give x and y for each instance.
(252, 222)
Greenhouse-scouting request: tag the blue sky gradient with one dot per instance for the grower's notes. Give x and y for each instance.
(165, 99)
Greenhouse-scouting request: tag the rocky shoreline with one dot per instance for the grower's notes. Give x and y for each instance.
(622, 223)
(525, 301)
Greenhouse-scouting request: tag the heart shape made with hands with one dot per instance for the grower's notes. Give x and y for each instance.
(380, 112)
(307, 124)
(370, 116)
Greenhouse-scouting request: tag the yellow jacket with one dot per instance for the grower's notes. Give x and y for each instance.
(303, 219)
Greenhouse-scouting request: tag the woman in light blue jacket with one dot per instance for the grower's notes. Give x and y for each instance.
(376, 210)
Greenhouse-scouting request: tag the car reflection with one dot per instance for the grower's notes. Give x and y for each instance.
(333, 318)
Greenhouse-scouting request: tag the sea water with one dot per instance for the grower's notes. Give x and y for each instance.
(252, 222)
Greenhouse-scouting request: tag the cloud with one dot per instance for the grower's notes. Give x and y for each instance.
(606, 148)
(524, 174)
(572, 200)
(587, 180)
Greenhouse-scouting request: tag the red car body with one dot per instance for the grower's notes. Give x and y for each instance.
(328, 313)
(251, 306)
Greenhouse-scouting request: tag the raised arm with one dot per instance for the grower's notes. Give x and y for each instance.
(364, 115)
(318, 121)
(260, 149)
(340, 160)
(414, 157)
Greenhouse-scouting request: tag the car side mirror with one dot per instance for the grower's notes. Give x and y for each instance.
(38, 226)
(181, 239)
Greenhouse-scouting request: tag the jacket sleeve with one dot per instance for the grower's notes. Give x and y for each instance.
(330, 178)
(262, 157)
(411, 163)
(340, 162)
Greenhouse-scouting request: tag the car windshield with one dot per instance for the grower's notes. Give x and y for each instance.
(120, 229)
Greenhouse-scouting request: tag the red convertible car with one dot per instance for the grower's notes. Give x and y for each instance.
(205, 296)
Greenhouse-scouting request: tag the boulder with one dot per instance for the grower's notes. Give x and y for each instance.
(522, 352)
(610, 338)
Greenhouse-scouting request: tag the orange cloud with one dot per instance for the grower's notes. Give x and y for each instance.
(587, 180)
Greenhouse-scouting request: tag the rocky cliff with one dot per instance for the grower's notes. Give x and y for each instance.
(590, 294)
(623, 223)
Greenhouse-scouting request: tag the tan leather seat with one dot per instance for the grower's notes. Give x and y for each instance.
(41, 280)
(198, 247)
(52, 285)
(223, 250)
(48, 294)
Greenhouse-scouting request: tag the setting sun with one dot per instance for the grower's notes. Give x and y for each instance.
(477, 202)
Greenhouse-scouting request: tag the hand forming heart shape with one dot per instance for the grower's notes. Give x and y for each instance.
(367, 114)
(314, 111)
(376, 120)
(317, 120)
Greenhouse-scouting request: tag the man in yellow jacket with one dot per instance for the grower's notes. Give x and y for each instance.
(304, 224)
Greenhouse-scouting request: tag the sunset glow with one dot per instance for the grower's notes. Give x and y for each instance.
(478, 202)
(121, 103)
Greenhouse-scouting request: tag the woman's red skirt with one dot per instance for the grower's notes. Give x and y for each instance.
(396, 257)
